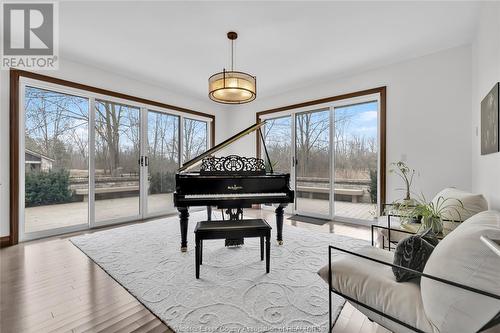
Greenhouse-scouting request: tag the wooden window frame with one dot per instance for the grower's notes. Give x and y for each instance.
(15, 75)
(381, 91)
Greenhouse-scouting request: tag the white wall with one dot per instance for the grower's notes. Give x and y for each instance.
(486, 72)
(95, 77)
(428, 115)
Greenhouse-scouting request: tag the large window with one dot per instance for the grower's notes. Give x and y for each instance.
(90, 159)
(335, 152)
(277, 135)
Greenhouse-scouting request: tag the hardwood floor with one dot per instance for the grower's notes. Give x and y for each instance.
(51, 286)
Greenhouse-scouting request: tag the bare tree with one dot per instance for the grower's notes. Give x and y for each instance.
(312, 138)
(277, 134)
(195, 138)
(51, 119)
(163, 141)
(354, 154)
(108, 118)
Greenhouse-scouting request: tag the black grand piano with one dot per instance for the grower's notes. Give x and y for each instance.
(231, 183)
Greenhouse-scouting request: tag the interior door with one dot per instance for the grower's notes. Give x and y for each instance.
(312, 163)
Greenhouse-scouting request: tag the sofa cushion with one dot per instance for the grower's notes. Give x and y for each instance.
(374, 285)
(462, 257)
(473, 204)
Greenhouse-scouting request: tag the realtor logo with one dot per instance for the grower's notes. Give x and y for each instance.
(29, 35)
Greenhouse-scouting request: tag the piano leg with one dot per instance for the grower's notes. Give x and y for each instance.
(279, 222)
(209, 213)
(183, 218)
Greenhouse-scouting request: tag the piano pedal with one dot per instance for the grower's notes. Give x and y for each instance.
(280, 242)
(234, 242)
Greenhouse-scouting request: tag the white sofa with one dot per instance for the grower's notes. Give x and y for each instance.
(426, 304)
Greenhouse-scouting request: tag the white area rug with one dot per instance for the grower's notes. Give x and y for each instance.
(233, 294)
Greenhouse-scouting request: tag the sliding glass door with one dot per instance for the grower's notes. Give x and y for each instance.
(56, 154)
(334, 162)
(91, 160)
(356, 160)
(312, 163)
(117, 162)
(162, 161)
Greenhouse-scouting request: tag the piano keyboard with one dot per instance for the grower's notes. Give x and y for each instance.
(222, 196)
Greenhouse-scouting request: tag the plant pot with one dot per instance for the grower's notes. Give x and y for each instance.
(434, 223)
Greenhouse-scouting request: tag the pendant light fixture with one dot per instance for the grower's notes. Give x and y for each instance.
(232, 87)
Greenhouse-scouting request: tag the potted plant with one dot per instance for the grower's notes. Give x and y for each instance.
(432, 213)
(402, 170)
(406, 211)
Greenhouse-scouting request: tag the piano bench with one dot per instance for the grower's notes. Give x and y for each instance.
(232, 229)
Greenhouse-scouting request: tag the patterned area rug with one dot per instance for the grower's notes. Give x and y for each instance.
(233, 294)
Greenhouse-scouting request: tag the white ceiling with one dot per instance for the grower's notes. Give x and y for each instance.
(178, 45)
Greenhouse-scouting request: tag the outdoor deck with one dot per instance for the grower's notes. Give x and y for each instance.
(347, 209)
(71, 214)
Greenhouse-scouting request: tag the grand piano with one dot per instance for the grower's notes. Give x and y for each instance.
(231, 183)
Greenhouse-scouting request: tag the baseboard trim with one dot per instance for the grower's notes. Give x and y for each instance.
(4, 241)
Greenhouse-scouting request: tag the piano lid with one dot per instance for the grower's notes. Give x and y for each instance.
(189, 164)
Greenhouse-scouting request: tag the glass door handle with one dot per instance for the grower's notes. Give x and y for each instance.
(143, 161)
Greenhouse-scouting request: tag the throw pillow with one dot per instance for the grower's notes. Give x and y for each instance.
(412, 252)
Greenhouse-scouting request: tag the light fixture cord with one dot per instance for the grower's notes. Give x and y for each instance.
(232, 54)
